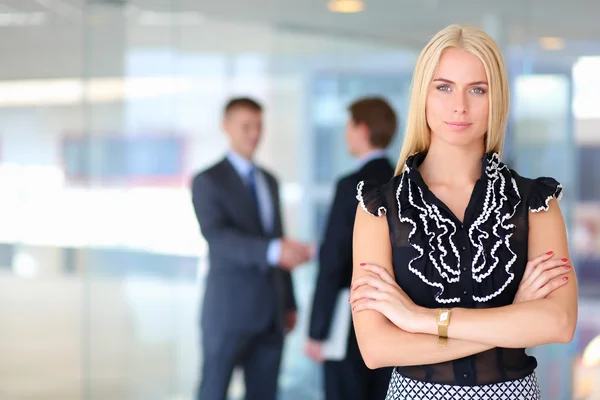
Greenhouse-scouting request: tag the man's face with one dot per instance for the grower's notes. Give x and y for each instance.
(243, 126)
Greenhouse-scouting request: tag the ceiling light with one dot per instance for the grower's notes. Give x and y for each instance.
(552, 43)
(155, 18)
(23, 19)
(346, 6)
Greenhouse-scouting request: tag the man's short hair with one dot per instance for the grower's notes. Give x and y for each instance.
(379, 118)
(241, 102)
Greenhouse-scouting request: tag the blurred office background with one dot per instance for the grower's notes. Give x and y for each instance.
(107, 107)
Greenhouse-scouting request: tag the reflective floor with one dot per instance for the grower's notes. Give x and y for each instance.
(142, 341)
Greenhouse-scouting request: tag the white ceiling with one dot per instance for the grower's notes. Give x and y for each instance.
(393, 21)
(408, 21)
(63, 30)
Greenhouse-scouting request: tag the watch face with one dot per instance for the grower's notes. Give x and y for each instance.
(444, 316)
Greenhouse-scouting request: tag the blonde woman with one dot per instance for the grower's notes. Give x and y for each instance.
(460, 264)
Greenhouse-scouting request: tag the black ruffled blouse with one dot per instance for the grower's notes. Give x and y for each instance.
(440, 261)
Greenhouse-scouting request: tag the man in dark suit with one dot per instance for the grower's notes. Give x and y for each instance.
(371, 128)
(249, 302)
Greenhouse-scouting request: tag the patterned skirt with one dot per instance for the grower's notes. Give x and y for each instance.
(403, 388)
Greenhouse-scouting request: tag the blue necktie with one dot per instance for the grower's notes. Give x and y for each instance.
(252, 184)
(254, 192)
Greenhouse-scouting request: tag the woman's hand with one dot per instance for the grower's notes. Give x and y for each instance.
(378, 291)
(542, 276)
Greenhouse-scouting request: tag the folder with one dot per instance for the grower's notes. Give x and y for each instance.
(335, 346)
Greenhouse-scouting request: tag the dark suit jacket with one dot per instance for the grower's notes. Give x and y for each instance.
(335, 255)
(243, 292)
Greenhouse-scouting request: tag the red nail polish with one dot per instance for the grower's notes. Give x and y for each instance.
(564, 259)
(567, 266)
(351, 286)
(362, 264)
(353, 308)
(565, 278)
(550, 252)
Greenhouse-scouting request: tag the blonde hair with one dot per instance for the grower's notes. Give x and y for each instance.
(418, 137)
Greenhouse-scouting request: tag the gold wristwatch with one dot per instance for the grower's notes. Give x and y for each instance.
(443, 320)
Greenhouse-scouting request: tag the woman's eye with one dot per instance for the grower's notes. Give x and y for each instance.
(444, 88)
(478, 90)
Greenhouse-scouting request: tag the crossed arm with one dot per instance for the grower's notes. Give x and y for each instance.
(411, 338)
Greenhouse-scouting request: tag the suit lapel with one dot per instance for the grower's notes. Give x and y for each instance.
(236, 190)
(272, 185)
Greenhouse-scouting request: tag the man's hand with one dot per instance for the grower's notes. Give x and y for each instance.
(293, 253)
(291, 317)
(313, 349)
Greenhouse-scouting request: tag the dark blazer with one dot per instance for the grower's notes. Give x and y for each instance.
(335, 254)
(243, 292)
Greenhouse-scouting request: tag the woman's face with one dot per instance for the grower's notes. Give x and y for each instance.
(457, 105)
